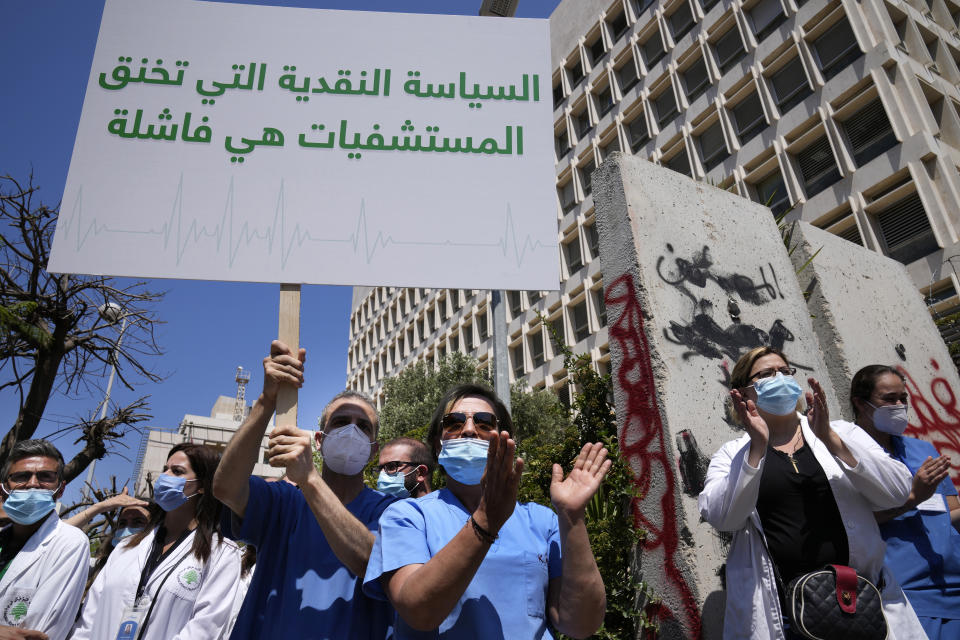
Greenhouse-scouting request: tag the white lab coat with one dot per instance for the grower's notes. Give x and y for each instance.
(194, 602)
(47, 575)
(728, 502)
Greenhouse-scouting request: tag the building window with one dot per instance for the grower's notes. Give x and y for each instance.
(869, 132)
(766, 16)
(790, 85)
(556, 332)
(597, 51)
(681, 20)
(586, 176)
(563, 394)
(601, 306)
(557, 94)
(627, 76)
(679, 163)
(562, 142)
(468, 338)
(851, 234)
(536, 348)
(748, 117)
(713, 148)
(729, 49)
(666, 107)
(618, 26)
(574, 258)
(836, 48)
(817, 166)
(534, 297)
(707, 5)
(641, 5)
(604, 101)
(653, 49)
(593, 239)
(695, 79)
(567, 199)
(517, 355)
(637, 132)
(575, 73)
(906, 230)
(513, 299)
(482, 327)
(578, 315)
(772, 192)
(610, 147)
(581, 123)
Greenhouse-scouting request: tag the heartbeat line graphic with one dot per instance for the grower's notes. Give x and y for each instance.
(231, 235)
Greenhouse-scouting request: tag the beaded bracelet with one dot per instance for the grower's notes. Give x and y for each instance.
(482, 534)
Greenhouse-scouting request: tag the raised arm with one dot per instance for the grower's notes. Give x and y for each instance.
(119, 501)
(350, 540)
(425, 594)
(925, 482)
(577, 601)
(231, 482)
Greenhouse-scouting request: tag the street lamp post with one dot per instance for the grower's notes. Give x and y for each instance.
(110, 312)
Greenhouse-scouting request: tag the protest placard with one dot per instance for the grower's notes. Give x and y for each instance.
(236, 142)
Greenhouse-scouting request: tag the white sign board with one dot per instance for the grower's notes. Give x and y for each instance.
(237, 142)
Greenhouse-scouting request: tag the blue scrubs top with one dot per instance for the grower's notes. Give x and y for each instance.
(299, 588)
(507, 598)
(923, 548)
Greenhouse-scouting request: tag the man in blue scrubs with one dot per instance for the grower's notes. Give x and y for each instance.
(313, 540)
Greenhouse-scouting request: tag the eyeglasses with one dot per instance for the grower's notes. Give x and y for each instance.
(769, 373)
(455, 421)
(392, 467)
(21, 478)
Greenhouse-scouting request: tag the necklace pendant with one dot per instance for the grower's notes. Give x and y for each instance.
(794, 463)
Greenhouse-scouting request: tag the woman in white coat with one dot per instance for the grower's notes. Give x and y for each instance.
(797, 494)
(176, 579)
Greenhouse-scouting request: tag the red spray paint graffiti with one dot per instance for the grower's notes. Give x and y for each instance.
(938, 424)
(643, 443)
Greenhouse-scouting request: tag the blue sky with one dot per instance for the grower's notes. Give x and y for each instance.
(209, 328)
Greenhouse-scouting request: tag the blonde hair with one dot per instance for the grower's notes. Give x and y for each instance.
(740, 376)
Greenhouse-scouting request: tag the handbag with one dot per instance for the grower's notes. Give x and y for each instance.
(835, 602)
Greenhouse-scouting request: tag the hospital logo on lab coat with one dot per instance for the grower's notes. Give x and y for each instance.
(189, 578)
(16, 610)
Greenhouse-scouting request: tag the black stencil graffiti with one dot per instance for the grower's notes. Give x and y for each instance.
(692, 463)
(701, 333)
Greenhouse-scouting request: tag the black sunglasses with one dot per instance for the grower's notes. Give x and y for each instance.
(454, 421)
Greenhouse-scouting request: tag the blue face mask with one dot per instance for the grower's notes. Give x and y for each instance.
(29, 506)
(464, 459)
(123, 534)
(168, 492)
(394, 485)
(777, 395)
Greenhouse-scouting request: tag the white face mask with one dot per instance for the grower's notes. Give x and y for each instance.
(345, 450)
(890, 418)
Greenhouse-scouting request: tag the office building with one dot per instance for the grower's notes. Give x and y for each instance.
(848, 112)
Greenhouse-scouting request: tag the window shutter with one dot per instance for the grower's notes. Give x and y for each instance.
(748, 114)
(818, 167)
(679, 163)
(713, 149)
(695, 77)
(869, 132)
(729, 49)
(639, 135)
(852, 234)
(681, 20)
(790, 85)
(666, 107)
(906, 230)
(766, 16)
(836, 48)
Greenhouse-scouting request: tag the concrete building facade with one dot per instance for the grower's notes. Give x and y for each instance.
(847, 111)
(214, 431)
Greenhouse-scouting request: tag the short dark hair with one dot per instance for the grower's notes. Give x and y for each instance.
(420, 452)
(350, 394)
(865, 381)
(29, 449)
(504, 422)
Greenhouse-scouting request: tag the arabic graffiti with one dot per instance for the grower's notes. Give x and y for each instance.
(254, 77)
(939, 424)
(643, 443)
(701, 333)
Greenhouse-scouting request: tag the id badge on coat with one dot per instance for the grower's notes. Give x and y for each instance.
(131, 623)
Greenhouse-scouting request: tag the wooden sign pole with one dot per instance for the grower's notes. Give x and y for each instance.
(289, 334)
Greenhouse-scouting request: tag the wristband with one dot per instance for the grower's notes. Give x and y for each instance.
(482, 534)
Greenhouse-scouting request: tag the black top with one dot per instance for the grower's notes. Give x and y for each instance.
(799, 514)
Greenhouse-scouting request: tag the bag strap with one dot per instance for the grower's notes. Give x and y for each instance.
(846, 587)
